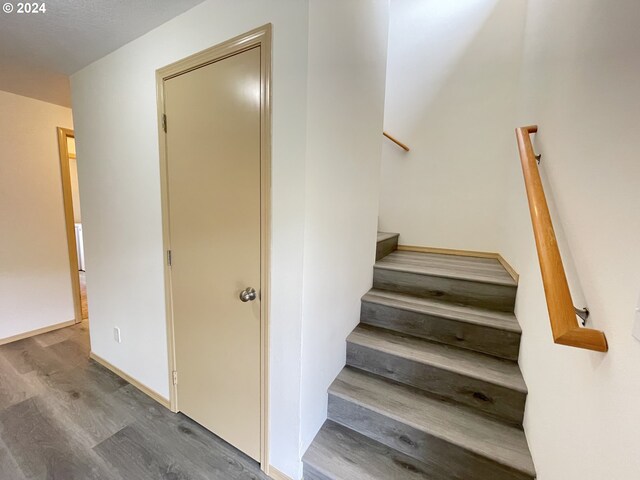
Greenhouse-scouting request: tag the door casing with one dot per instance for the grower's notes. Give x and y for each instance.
(258, 37)
(63, 135)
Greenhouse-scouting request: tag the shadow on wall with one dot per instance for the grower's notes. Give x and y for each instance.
(451, 95)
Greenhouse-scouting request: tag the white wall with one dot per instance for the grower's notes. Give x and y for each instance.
(115, 107)
(35, 284)
(326, 150)
(347, 57)
(461, 77)
(580, 85)
(451, 91)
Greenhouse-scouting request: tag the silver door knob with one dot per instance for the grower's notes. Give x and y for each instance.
(248, 294)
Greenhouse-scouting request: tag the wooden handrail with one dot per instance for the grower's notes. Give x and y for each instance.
(564, 325)
(396, 141)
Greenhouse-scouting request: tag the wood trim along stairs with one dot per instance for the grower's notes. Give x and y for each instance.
(432, 389)
(462, 253)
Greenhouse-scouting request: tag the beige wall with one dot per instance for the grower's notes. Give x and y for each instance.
(580, 85)
(35, 286)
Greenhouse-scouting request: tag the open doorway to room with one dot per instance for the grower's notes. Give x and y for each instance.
(73, 222)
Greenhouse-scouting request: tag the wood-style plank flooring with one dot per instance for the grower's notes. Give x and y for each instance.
(450, 266)
(65, 417)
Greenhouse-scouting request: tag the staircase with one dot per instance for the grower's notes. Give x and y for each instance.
(432, 388)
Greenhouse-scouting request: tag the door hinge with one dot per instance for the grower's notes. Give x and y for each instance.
(164, 122)
(169, 257)
(175, 377)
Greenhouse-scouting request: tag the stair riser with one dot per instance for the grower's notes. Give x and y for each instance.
(492, 399)
(487, 295)
(500, 343)
(462, 463)
(385, 247)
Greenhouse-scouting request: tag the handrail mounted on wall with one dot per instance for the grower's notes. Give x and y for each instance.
(396, 141)
(562, 314)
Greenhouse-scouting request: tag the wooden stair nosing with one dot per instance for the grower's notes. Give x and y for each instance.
(488, 384)
(473, 432)
(339, 453)
(473, 315)
(402, 407)
(446, 266)
(382, 236)
(455, 290)
(501, 372)
(387, 243)
(486, 331)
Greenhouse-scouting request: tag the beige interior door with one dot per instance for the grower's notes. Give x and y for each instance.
(213, 176)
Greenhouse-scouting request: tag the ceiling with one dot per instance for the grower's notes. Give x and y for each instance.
(38, 51)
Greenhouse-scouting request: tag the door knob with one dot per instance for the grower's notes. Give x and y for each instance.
(248, 294)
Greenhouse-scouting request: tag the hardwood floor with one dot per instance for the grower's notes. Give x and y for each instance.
(65, 417)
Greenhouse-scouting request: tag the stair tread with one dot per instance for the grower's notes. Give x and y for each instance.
(486, 270)
(341, 453)
(382, 236)
(475, 315)
(490, 369)
(489, 438)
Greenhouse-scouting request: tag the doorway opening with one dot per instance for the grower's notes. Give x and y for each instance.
(73, 222)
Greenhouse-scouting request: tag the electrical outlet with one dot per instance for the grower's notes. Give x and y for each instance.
(116, 335)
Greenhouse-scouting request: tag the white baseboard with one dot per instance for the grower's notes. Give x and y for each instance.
(276, 474)
(143, 388)
(38, 331)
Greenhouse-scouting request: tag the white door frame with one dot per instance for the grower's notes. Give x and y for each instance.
(259, 37)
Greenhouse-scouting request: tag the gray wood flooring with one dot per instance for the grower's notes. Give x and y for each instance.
(65, 417)
(432, 389)
(488, 270)
(387, 243)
